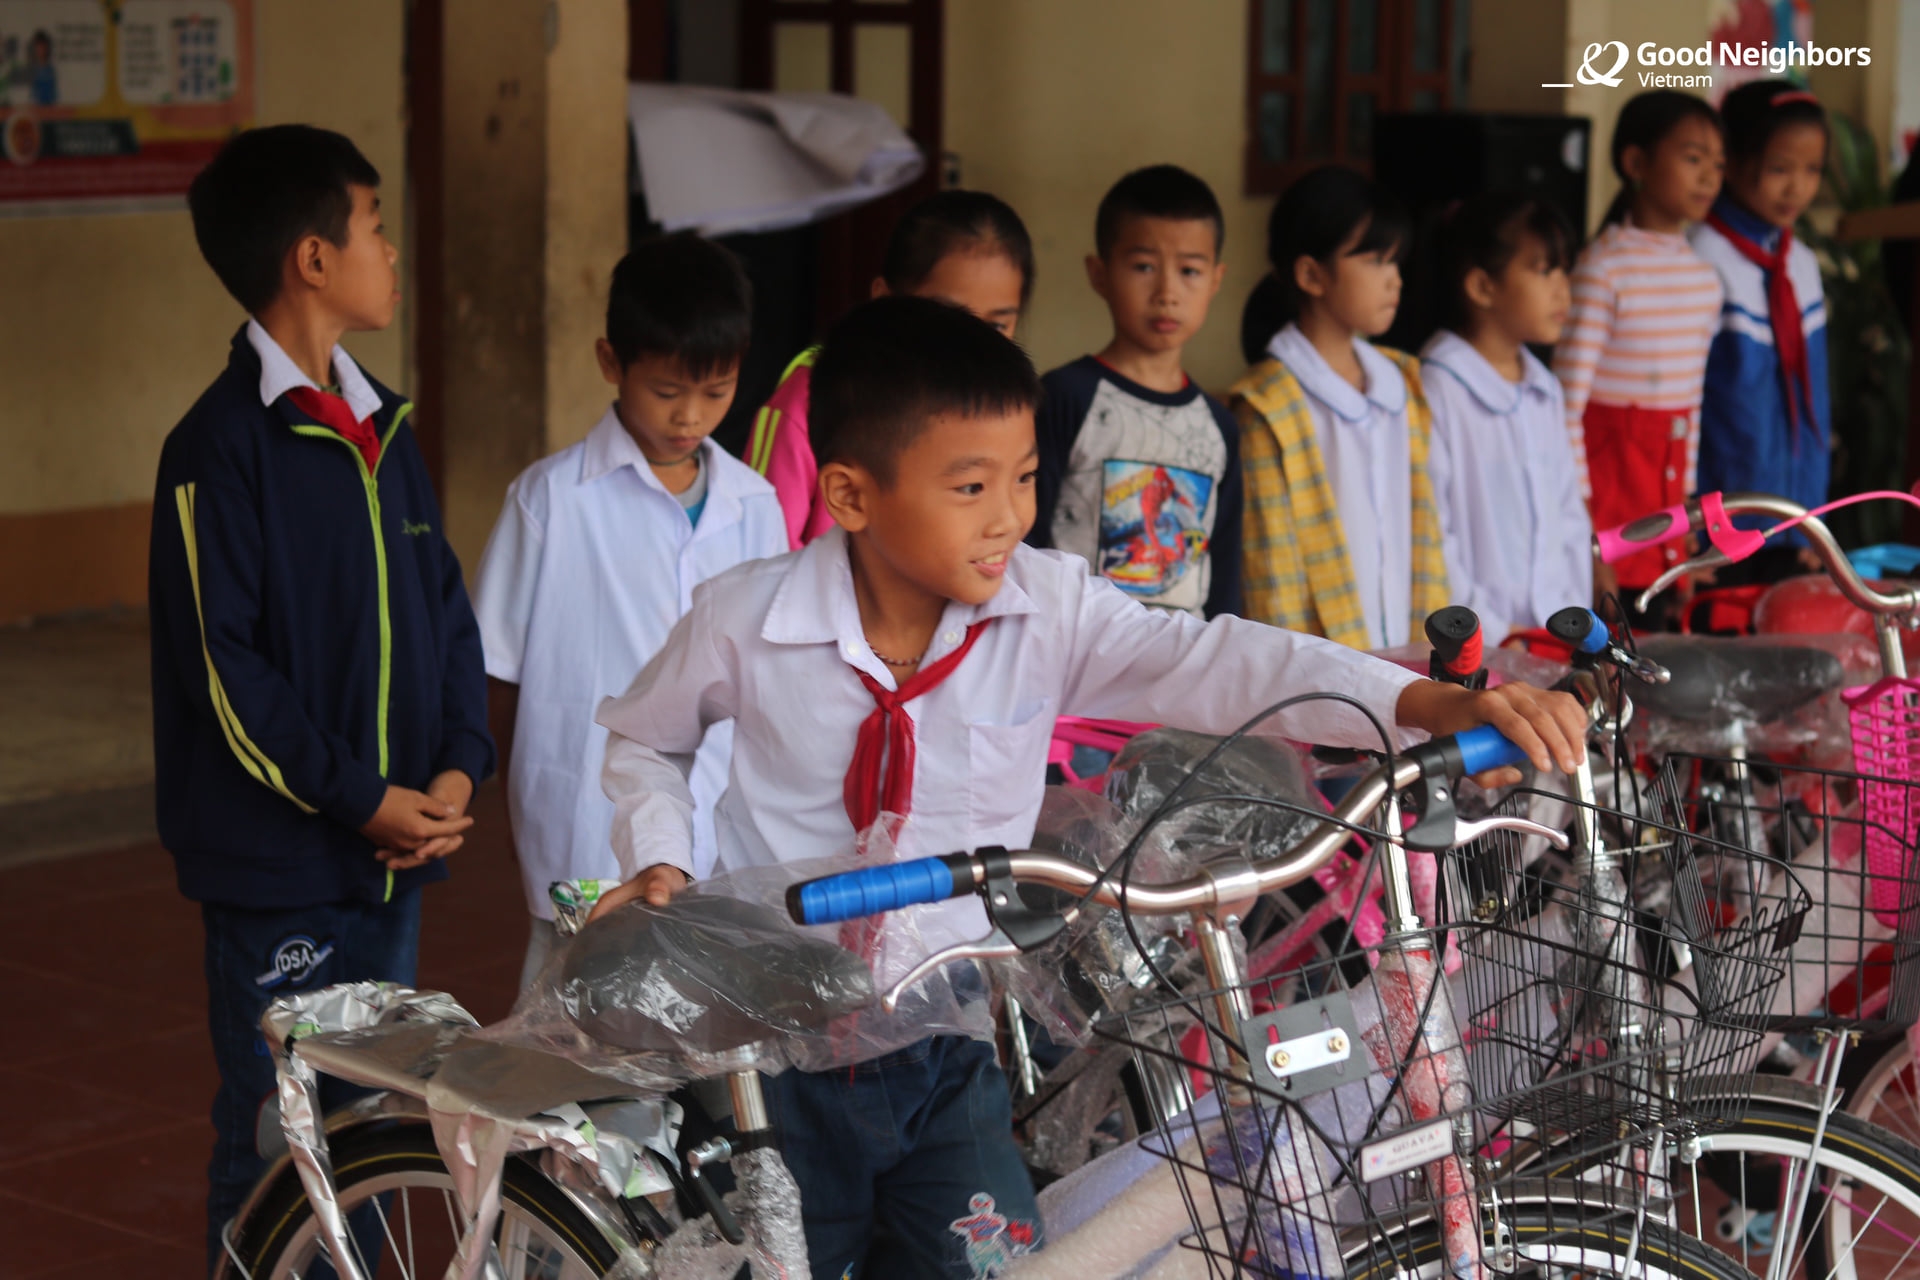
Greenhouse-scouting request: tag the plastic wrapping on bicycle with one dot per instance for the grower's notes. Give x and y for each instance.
(669, 979)
(1732, 680)
(872, 890)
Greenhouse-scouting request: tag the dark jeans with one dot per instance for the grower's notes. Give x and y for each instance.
(915, 1148)
(253, 957)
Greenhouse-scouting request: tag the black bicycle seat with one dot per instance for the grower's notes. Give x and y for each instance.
(705, 974)
(1723, 681)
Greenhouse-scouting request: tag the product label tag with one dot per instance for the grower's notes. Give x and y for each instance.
(1406, 1150)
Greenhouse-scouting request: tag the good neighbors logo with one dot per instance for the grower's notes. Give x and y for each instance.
(1606, 60)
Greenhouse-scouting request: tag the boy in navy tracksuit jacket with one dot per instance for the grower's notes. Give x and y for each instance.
(319, 694)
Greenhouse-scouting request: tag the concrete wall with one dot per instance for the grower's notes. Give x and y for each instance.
(536, 176)
(496, 210)
(125, 325)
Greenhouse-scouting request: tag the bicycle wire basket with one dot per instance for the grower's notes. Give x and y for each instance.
(1405, 1095)
(1567, 964)
(1847, 839)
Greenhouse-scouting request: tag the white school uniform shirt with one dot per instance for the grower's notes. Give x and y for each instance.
(1519, 544)
(773, 646)
(1366, 446)
(279, 374)
(590, 566)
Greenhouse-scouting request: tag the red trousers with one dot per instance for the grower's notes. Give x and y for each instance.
(1637, 464)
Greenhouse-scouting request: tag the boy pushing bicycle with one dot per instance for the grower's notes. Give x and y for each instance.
(906, 669)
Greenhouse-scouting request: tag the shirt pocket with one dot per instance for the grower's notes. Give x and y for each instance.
(1007, 771)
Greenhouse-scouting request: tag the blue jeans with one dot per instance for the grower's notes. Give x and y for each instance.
(253, 957)
(907, 1165)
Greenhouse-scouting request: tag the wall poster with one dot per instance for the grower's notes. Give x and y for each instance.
(117, 103)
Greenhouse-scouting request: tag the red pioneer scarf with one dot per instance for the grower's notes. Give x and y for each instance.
(880, 779)
(1783, 314)
(333, 411)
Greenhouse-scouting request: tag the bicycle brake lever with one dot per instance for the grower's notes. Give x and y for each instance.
(1710, 559)
(995, 946)
(1645, 670)
(1467, 832)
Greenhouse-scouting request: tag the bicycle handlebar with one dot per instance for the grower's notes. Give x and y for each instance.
(1704, 514)
(1458, 649)
(849, 895)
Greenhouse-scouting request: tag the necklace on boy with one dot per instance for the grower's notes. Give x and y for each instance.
(898, 662)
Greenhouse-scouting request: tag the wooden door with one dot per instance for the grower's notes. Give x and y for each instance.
(885, 51)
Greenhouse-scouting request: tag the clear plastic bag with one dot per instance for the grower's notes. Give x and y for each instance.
(1149, 768)
(722, 980)
(1094, 965)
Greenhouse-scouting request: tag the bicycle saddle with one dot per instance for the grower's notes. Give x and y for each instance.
(705, 974)
(1722, 681)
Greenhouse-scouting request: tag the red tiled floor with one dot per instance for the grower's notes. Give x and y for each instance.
(41, 1239)
(107, 1076)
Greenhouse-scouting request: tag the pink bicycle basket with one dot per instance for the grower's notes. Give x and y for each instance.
(1885, 722)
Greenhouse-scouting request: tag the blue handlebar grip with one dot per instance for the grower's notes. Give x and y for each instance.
(1582, 628)
(869, 891)
(1486, 748)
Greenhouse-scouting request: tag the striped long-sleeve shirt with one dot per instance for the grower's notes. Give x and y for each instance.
(1645, 308)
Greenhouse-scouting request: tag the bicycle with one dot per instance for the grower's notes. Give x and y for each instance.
(1851, 833)
(512, 1160)
(1268, 1183)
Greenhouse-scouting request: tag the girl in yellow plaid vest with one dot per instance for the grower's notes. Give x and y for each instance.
(1341, 534)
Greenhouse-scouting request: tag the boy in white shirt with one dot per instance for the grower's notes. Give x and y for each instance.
(911, 661)
(597, 552)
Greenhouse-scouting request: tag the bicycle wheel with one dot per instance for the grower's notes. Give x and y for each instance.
(1862, 1214)
(1549, 1248)
(393, 1183)
(1887, 1091)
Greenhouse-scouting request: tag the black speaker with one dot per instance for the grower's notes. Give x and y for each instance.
(1428, 161)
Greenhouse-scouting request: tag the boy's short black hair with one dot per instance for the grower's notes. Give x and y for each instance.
(896, 363)
(681, 296)
(266, 190)
(1158, 191)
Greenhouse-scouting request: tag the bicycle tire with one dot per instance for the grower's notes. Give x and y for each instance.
(400, 1148)
(1546, 1245)
(1883, 1087)
(1866, 1171)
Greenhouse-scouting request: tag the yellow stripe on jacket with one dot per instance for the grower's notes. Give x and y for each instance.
(251, 757)
(1297, 573)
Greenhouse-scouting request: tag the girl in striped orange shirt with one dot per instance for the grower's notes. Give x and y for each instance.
(1645, 309)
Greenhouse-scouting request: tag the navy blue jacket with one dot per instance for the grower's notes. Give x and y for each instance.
(312, 642)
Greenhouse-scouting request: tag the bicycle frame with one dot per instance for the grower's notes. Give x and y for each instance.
(452, 1086)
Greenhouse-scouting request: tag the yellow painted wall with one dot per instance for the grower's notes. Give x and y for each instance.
(1049, 101)
(115, 324)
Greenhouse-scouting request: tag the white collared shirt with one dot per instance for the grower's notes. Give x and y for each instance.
(279, 374)
(770, 645)
(589, 567)
(1518, 540)
(1364, 442)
